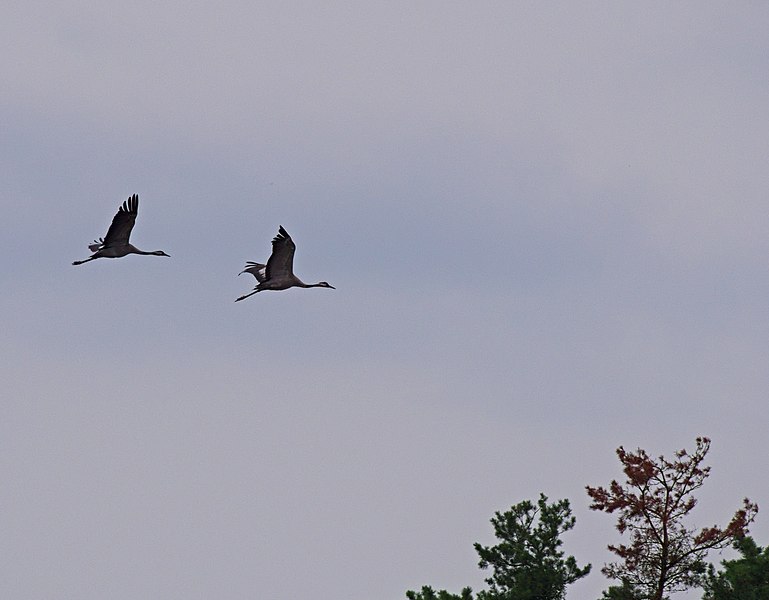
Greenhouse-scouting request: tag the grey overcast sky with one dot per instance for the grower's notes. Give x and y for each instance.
(548, 227)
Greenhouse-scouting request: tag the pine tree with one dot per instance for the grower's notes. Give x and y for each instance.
(663, 555)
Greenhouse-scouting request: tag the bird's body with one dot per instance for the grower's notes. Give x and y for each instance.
(278, 273)
(115, 244)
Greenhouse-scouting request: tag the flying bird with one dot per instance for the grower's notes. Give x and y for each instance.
(278, 273)
(115, 243)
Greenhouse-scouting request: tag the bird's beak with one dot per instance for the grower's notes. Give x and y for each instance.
(331, 286)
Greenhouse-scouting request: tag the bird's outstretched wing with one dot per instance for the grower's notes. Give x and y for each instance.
(281, 261)
(258, 270)
(120, 230)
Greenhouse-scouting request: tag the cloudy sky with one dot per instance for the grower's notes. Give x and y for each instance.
(549, 233)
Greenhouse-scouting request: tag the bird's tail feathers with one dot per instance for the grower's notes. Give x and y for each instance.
(97, 245)
(258, 270)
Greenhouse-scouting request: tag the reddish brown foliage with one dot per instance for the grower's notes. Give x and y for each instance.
(663, 554)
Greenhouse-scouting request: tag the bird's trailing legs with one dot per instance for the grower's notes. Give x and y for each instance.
(80, 262)
(247, 295)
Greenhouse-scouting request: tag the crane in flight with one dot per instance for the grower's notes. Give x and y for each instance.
(115, 243)
(278, 273)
